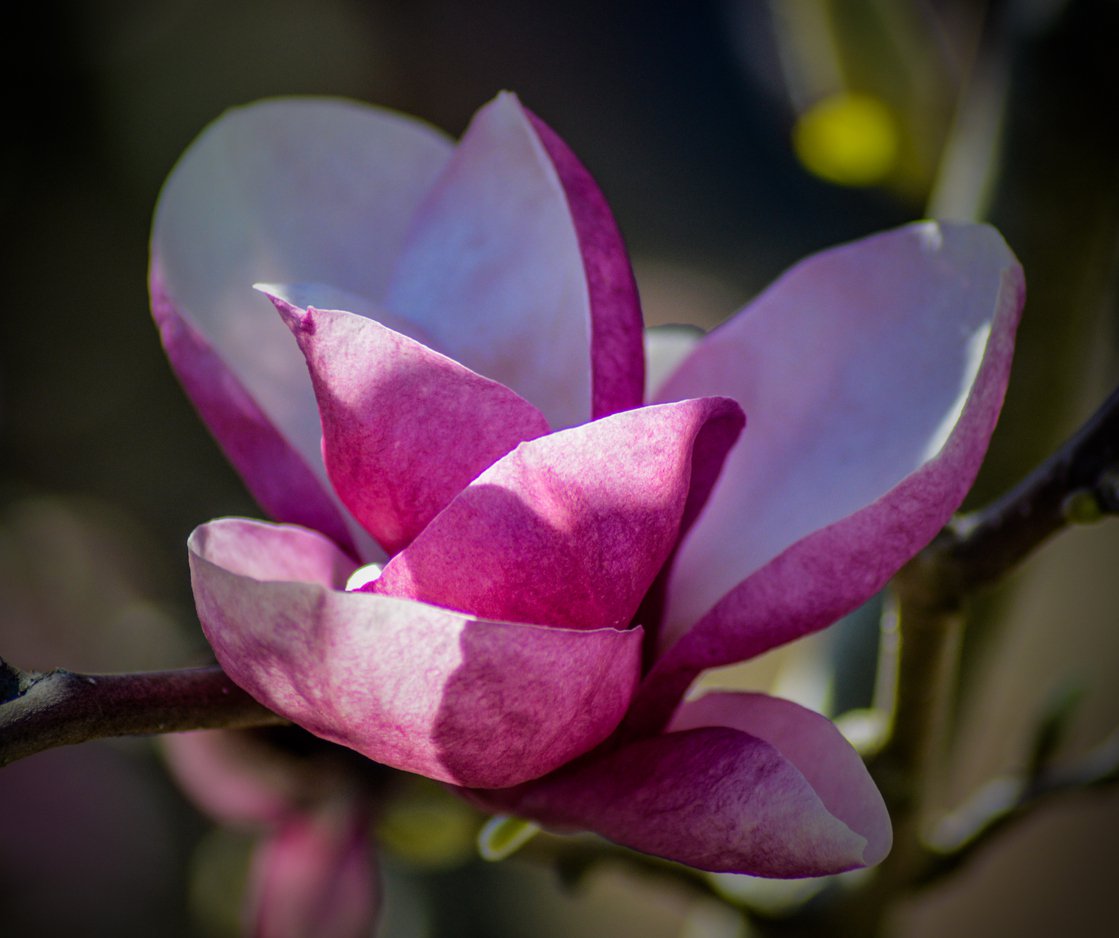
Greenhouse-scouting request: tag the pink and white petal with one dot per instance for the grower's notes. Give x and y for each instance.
(572, 528)
(276, 472)
(666, 347)
(713, 798)
(315, 877)
(617, 364)
(492, 270)
(288, 190)
(271, 552)
(873, 374)
(455, 697)
(232, 778)
(405, 429)
(810, 742)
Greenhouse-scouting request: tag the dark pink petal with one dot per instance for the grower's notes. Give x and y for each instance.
(492, 270)
(810, 742)
(773, 791)
(404, 428)
(451, 696)
(617, 365)
(315, 877)
(274, 469)
(571, 529)
(873, 374)
(297, 190)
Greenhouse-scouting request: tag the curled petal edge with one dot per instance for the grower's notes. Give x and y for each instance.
(444, 694)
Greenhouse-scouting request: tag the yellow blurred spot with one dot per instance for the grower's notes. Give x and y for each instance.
(428, 828)
(850, 139)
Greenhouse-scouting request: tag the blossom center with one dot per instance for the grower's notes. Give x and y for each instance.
(363, 576)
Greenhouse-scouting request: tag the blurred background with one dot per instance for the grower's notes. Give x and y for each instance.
(731, 138)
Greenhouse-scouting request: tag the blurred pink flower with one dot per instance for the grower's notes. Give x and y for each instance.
(314, 870)
(555, 562)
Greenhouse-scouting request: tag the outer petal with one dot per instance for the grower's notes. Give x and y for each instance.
(316, 877)
(278, 475)
(285, 190)
(811, 743)
(450, 696)
(873, 374)
(404, 428)
(571, 528)
(514, 269)
(775, 791)
(617, 363)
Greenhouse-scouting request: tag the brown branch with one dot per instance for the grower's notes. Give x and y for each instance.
(39, 711)
(1078, 482)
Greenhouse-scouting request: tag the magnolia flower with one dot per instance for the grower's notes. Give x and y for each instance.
(494, 566)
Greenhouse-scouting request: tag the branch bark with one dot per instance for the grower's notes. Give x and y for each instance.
(59, 708)
(1080, 480)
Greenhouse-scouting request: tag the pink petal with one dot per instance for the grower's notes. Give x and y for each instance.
(447, 695)
(232, 779)
(617, 364)
(873, 374)
(275, 471)
(404, 428)
(287, 190)
(756, 796)
(571, 529)
(810, 742)
(316, 877)
(493, 270)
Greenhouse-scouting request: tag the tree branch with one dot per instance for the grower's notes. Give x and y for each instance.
(38, 711)
(1080, 481)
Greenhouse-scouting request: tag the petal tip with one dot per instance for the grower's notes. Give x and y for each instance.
(295, 317)
(879, 834)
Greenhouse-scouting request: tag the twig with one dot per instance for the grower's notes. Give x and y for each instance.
(984, 545)
(1004, 801)
(38, 711)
